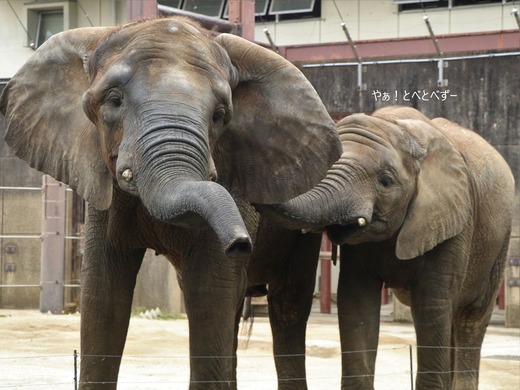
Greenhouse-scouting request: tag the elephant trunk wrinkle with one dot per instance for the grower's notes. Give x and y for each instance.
(177, 151)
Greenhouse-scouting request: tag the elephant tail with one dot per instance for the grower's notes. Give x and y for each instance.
(246, 323)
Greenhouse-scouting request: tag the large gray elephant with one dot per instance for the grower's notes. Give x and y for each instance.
(424, 206)
(140, 120)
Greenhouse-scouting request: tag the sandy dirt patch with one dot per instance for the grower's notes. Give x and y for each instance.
(36, 351)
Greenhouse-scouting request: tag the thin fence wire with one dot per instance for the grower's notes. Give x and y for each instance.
(406, 368)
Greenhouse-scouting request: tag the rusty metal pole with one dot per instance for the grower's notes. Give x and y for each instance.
(53, 246)
(140, 9)
(242, 12)
(325, 274)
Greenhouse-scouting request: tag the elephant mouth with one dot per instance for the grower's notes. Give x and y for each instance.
(340, 234)
(351, 232)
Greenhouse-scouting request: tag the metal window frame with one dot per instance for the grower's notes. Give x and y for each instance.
(262, 13)
(296, 10)
(37, 39)
(179, 4)
(401, 2)
(221, 8)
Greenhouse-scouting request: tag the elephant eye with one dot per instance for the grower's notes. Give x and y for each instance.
(114, 98)
(386, 180)
(219, 114)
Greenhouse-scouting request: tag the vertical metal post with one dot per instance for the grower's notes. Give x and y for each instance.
(53, 246)
(75, 370)
(353, 47)
(411, 366)
(514, 12)
(325, 299)
(441, 81)
(243, 12)
(325, 275)
(139, 9)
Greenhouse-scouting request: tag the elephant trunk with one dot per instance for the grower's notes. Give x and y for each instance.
(169, 172)
(336, 200)
(188, 203)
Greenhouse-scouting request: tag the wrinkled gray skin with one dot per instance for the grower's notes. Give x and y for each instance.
(140, 121)
(424, 207)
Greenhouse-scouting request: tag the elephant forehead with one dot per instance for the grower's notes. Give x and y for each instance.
(166, 39)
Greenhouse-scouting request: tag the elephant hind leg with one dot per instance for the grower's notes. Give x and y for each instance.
(468, 335)
(290, 301)
(470, 324)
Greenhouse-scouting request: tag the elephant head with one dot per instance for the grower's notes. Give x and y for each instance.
(398, 176)
(157, 108)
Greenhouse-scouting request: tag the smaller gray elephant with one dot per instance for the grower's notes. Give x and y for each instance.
(424, 206)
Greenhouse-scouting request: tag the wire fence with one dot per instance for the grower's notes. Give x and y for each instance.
(396, 370)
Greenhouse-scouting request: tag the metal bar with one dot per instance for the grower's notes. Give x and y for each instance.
(415, 60)
(21, 188)
(350, 41)
(441, 81)
(270, 39)
(514, 12)
(19, 285)
(24, 236)
(38, 285)
(75, 370)
(325, 293)
(40, 237)
(432, 35)
(411, 366)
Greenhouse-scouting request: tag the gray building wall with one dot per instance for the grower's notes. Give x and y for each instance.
(20, 214)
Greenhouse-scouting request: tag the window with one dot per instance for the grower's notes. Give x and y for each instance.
(260, 8)
(205, 7)
(49, 23)
(405, 5)
(44, 19)
(290, 6)
(171, 3)
(265, 10)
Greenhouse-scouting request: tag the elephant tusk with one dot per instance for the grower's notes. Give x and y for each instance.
(127, 175)
(361, 222)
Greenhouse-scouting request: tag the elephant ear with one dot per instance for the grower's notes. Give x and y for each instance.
(281, 140)
(442, 203)
(45, 122)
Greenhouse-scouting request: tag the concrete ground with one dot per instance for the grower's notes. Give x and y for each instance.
(36, 351)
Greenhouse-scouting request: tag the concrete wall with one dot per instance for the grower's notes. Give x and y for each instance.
(157, 285)
(20, 214)
(484, 95)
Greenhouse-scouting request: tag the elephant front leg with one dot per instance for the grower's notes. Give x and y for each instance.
(214, 288)
(106, 301)
(290, 301)
(107, 285)
(359, 305)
